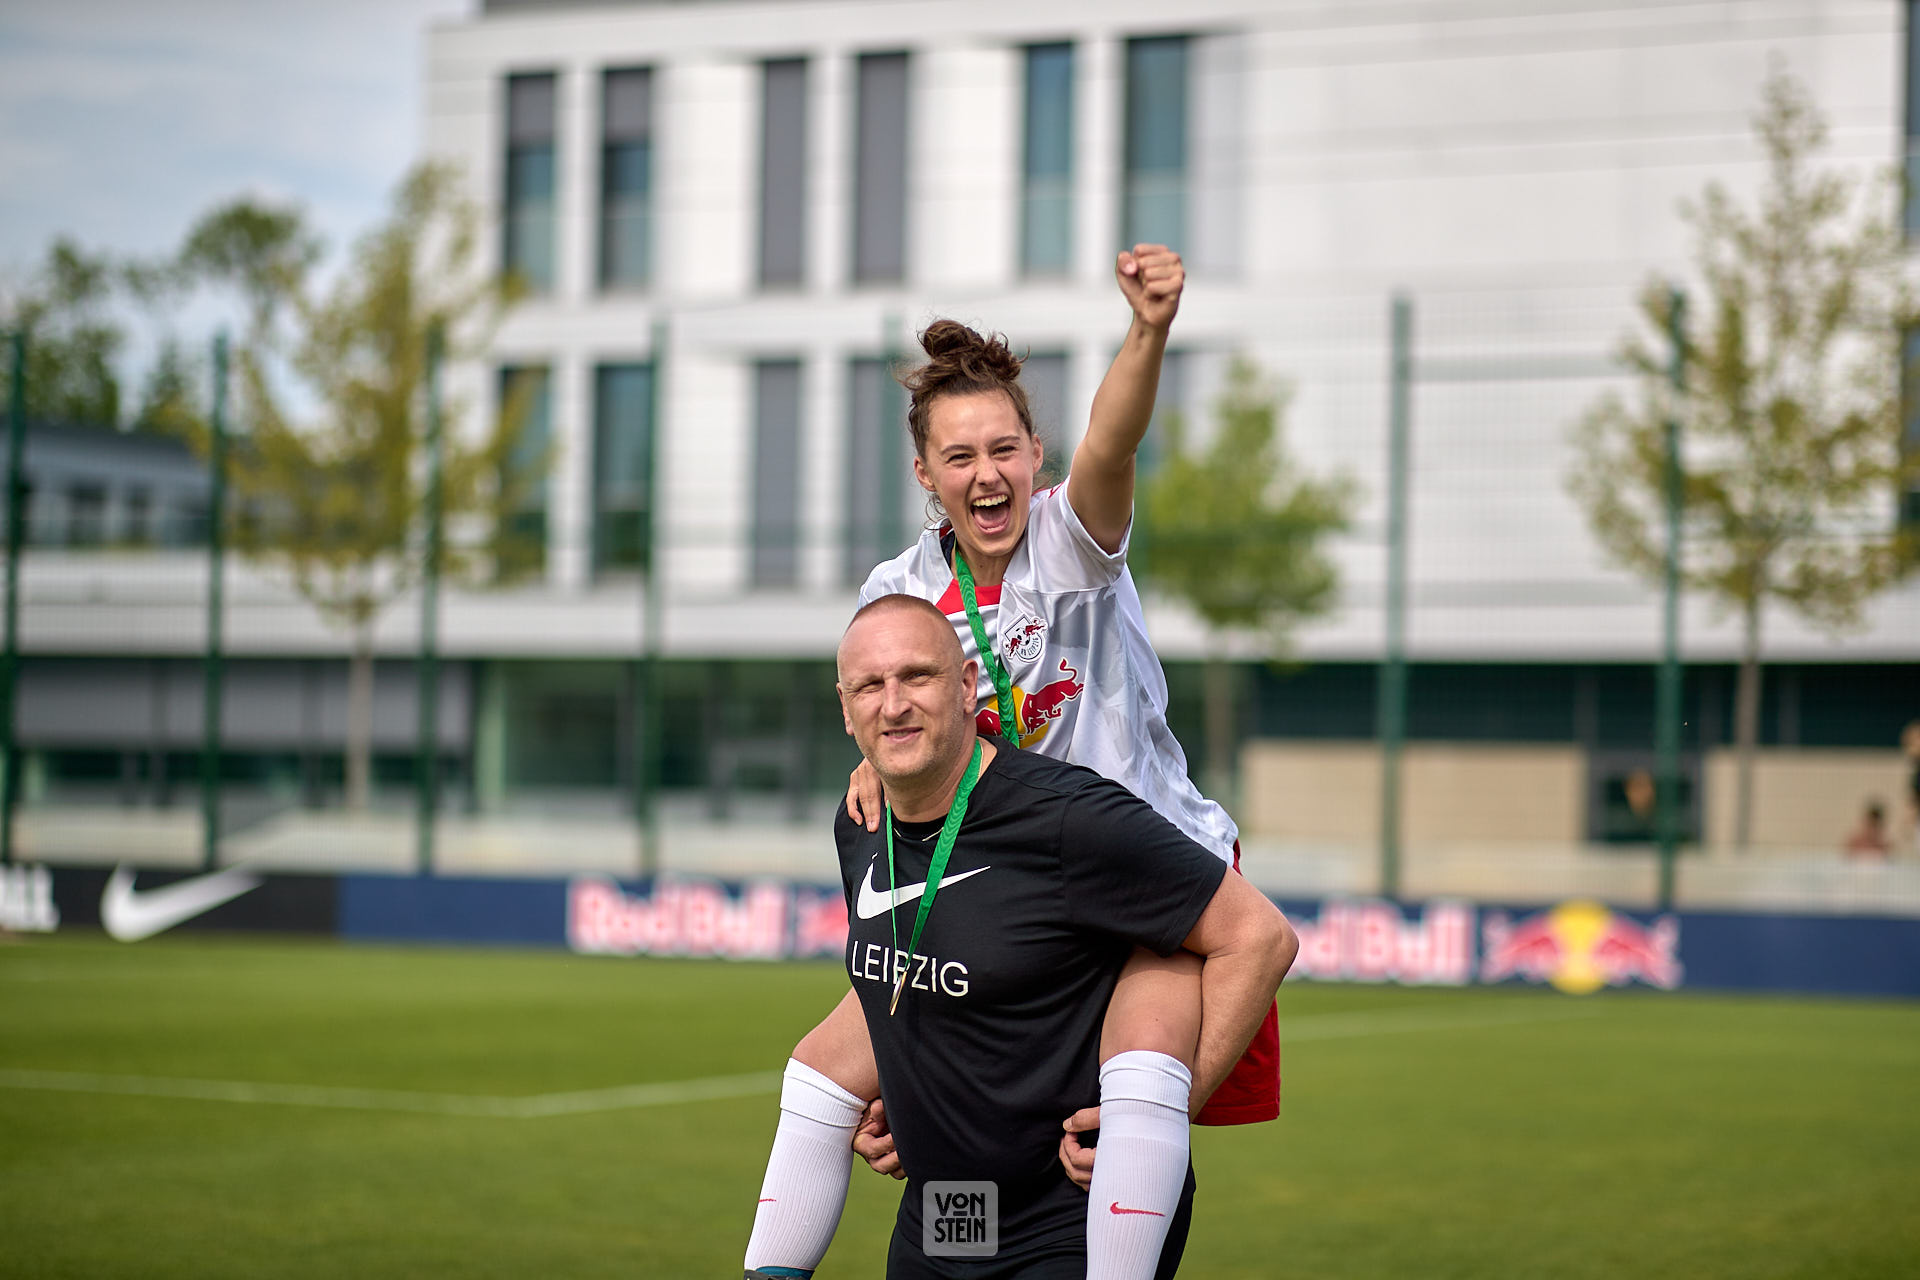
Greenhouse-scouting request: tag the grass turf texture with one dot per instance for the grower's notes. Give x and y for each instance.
(1425, 1133)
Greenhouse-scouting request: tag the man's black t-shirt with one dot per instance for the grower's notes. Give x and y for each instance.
(1057, 873)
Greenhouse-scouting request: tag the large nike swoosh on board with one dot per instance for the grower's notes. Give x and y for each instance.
(872, 901)
(129, 916)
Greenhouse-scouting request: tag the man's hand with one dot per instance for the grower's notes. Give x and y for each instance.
(864, 800)
(1074, 1158)
(873, 1141)
(1151, 278)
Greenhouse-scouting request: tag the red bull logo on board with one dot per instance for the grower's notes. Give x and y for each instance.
(764, 921)
(1373, 942)
(1579, 947)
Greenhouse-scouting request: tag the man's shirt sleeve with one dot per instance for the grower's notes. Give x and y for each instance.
(845, 832)
(1131, 873)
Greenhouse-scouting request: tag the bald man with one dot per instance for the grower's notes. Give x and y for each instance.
(989, 919)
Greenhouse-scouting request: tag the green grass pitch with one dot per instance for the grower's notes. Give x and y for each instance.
(1499, 1133)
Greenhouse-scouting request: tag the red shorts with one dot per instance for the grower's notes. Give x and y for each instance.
(1251, 1091)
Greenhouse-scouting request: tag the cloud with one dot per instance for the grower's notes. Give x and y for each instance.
(120, 122)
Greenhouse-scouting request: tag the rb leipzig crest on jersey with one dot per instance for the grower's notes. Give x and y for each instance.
(1025, 641)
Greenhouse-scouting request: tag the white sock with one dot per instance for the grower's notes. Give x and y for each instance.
(1141, 1165)
(807, 1171)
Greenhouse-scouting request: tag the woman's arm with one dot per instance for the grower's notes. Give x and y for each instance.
(1100, 483)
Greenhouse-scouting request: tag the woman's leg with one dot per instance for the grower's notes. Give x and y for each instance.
(839, 1049)
(1147, 1047)
(1155, 1007)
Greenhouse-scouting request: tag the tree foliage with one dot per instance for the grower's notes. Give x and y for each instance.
(335, 497)
(74, 339)
(1235, 530)
(1791, 408)
(261, 252)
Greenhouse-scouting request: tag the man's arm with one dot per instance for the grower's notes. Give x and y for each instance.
(1100, 482)
(1248, 947)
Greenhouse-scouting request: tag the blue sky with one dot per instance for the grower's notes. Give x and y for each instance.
(123, 120)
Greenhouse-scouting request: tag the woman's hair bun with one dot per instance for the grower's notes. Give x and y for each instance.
(956, 349)
(961, 362)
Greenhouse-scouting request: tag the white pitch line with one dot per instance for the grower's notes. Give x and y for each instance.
(450, 1104)
(1337, 1026)
(1325, 1026)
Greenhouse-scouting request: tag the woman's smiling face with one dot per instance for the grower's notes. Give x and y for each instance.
(980, 462)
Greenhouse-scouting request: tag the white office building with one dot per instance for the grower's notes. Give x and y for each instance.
(733, 214)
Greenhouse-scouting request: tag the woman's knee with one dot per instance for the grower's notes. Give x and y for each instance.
(1155, 1006)
(838, 1048)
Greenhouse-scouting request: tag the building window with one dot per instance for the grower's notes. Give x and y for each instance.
(622, 466)
(1909, 496)
(1912, 166)
(1154, 195)
(186, 525)
(530, 186)
(776, 473)
(1044, 375)
(1046, 197)
(626, 178)
(86, 515)
(880, 170)
(525, 398)
(880, 494)
(783, 172)
(136, 517)
(1176, 370)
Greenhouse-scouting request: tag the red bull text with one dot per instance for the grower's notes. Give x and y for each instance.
(1371, 941)
(765, 921)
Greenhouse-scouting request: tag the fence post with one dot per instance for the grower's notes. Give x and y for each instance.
(650, 687)
(1667, 696)
(427, 759)
(10, 659)
(216, 547)
(1392, 689)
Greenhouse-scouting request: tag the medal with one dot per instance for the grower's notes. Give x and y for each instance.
(949, 830)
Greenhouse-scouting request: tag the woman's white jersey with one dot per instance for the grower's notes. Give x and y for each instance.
(1087, 686)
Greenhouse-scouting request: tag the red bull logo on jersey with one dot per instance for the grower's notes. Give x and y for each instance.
(1579, 947)
(1037, 710)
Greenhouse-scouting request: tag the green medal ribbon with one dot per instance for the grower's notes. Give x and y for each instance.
(942, 850)
(1002, 683)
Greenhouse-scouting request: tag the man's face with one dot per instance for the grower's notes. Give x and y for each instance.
(906, 694)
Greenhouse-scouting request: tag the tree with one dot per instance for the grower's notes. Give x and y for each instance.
(1791, 408)
(262, 252)
(336, 503)
(1235, 531)
(172, 396)
(74, 339)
